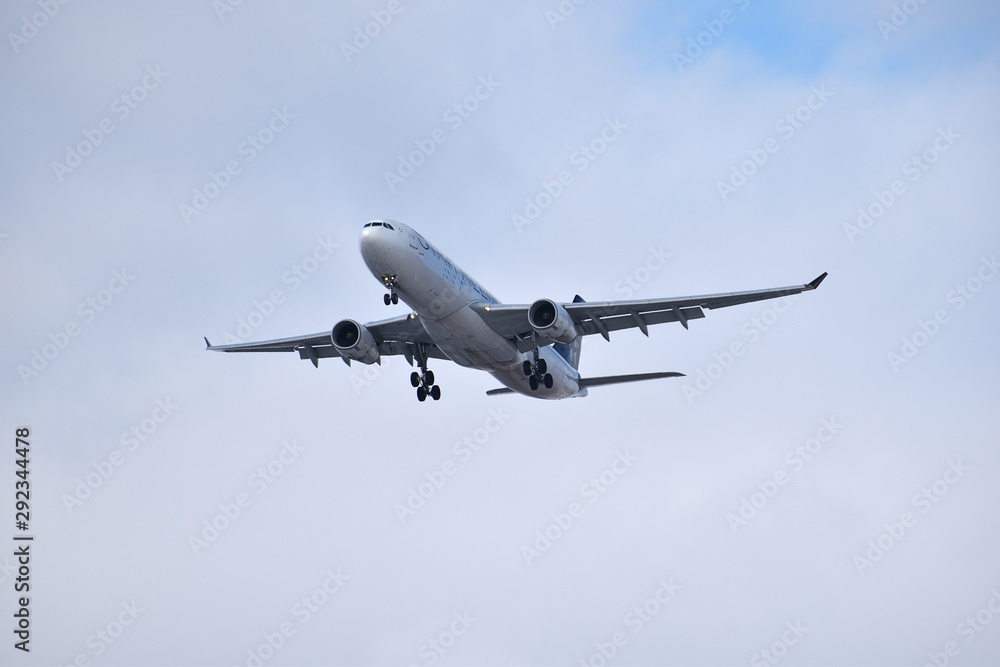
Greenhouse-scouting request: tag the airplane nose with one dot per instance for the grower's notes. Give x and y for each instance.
(366, 240)
(377, 240)
(369, 235)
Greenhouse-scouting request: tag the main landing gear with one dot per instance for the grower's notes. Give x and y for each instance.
(391, 297)
(424, 381)
(537, 371)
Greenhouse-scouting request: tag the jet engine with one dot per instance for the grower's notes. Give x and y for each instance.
(551, 320)
(355, 342)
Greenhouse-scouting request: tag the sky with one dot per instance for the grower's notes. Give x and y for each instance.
(820, 488)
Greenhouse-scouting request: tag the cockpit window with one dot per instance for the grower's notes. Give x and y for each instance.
(387, 226)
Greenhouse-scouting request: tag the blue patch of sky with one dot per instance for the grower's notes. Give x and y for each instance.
(788, 39)
(939, 37)
(802, 39)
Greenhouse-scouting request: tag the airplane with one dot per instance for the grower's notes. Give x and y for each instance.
(532, 349)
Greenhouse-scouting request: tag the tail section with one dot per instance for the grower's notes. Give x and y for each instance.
(571, 352)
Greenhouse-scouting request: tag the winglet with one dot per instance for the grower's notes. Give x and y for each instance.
(208, 346)
(815, 283)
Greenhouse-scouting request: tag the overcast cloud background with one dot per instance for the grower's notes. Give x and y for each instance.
(697, 451)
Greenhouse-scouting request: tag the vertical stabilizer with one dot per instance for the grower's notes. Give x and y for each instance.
(571, 352)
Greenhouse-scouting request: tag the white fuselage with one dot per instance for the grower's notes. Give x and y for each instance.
(441, 294)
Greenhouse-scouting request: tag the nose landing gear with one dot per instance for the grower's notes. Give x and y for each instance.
(391, 283)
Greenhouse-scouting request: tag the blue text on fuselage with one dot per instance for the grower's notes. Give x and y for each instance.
(459, 278)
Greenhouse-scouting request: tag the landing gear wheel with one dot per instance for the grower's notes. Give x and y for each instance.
(527, 367)
(424, 380)
(542, 367)
(548, 380)
(533, 383)
(394, 298)
(387, 299)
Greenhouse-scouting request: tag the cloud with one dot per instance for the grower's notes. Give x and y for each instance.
(365, 442)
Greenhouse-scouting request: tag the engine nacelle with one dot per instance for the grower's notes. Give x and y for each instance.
(551, 320)
(355, 342)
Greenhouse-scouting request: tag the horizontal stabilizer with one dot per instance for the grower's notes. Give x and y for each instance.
(619, 379)
(606, 379)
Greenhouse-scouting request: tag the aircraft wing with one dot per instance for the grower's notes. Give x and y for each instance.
(398, 335)
(603, 317)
